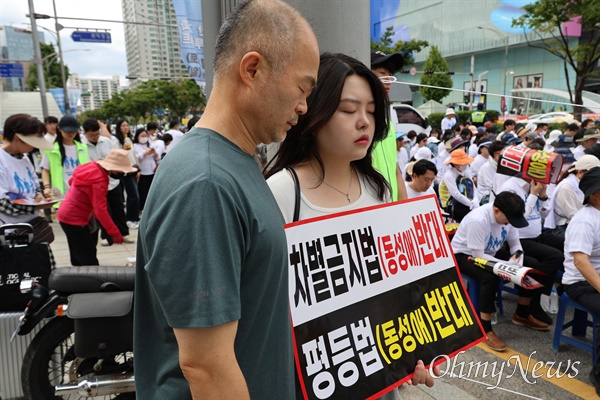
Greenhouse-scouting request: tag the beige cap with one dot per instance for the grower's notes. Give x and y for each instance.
(117, 160)
(36, 140)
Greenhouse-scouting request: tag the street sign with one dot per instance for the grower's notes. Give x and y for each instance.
(12, 71)
(413, 71)
(91, 37)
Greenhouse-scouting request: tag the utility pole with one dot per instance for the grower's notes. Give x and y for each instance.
(38, 59)
(58, 27)
(472, 81)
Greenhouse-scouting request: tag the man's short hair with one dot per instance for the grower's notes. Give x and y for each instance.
(573, 127)
(173, 123)
(90, 125)
(271, 28)
(151, 126)
(50, 120)
(422, 166)
(167, 137)
(508, 122)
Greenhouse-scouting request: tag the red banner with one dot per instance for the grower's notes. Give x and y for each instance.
(528, 163)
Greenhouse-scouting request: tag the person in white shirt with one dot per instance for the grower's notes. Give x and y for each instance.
(587, 140)
(147, 157)
(174, 132)
(329, 149)
(423, 176)
(568, 198)
(481, 158)
(543, 246)
(482, 234)
(402, 153)
(449, 119)
(457, 190)
(50, 122)
(581, 279)
(487, 172)
(420, 142)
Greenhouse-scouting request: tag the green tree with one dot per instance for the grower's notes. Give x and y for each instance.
(407, 49)
(435, 63)
(548, 17)
(51, 67)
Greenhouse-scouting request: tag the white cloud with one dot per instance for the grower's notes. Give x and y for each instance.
(102, 60)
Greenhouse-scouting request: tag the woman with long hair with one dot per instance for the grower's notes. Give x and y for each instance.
(330, 149)
(132, 205)
(147, 157)
(68, 152)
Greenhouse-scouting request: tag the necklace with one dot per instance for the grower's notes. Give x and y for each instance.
(347, 193)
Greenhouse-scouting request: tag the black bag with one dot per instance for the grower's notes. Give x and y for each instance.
(42, 231)
(20, 259)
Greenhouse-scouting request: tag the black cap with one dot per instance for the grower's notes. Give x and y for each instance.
(393, 62)
(590, 183)
(513, 207)
(68, 124)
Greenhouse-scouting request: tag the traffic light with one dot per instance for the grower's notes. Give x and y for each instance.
(466, 99)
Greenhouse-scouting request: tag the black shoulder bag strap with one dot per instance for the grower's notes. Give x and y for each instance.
(297, 190)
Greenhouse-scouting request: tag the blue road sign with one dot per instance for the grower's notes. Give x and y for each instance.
(91, 37)
(12, 71)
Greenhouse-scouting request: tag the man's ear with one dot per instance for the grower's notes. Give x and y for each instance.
(253, 68)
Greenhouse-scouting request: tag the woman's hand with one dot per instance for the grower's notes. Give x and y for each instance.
(422, 375)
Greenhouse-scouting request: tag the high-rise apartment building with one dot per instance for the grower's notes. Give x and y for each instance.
(94, 92)
(16, 46)
(153, 51)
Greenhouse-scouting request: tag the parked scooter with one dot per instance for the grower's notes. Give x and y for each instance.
(86, 347)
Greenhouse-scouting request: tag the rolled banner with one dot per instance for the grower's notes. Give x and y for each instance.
(513, 273)
(528, 163)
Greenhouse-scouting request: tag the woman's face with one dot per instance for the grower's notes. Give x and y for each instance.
(142, 137)
(349, 132)
(125, 128)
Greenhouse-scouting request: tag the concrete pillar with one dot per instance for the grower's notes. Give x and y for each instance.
(340, 26)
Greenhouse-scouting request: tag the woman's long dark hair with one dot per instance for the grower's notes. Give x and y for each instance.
(300, 145)
(118, 132)
(61, 146)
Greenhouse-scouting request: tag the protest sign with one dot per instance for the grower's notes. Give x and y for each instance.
(371, 292)
(513, 273)
(527, 163)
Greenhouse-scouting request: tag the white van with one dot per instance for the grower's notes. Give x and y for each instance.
(406, 118)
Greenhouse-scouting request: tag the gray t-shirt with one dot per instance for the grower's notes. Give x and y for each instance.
(211, 250)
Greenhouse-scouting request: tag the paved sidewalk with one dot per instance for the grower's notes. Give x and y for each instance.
(116, 254)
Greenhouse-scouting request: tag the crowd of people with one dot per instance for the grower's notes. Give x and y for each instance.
(64, 153)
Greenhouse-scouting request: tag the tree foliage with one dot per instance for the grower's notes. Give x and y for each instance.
(547, 17)
(407, 49)
(51, 67)
(148, 101)
(436, 63)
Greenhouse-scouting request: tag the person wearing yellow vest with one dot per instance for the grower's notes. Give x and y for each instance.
(479, 117)
(59, 163)
(384, 153)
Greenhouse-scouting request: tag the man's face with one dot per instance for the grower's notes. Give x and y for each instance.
(509, 128)
(51, 128)
(382, 71)
(589, 143)
(589, 125)
(283, 96)
(497, 155)
(500, 217)
(92, 136)
(423, 182)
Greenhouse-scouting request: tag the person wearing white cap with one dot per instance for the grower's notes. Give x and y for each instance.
(86, 199)
(449, 119)
(568, 198)
(18, 181)
(582, 257)
(402, 151)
